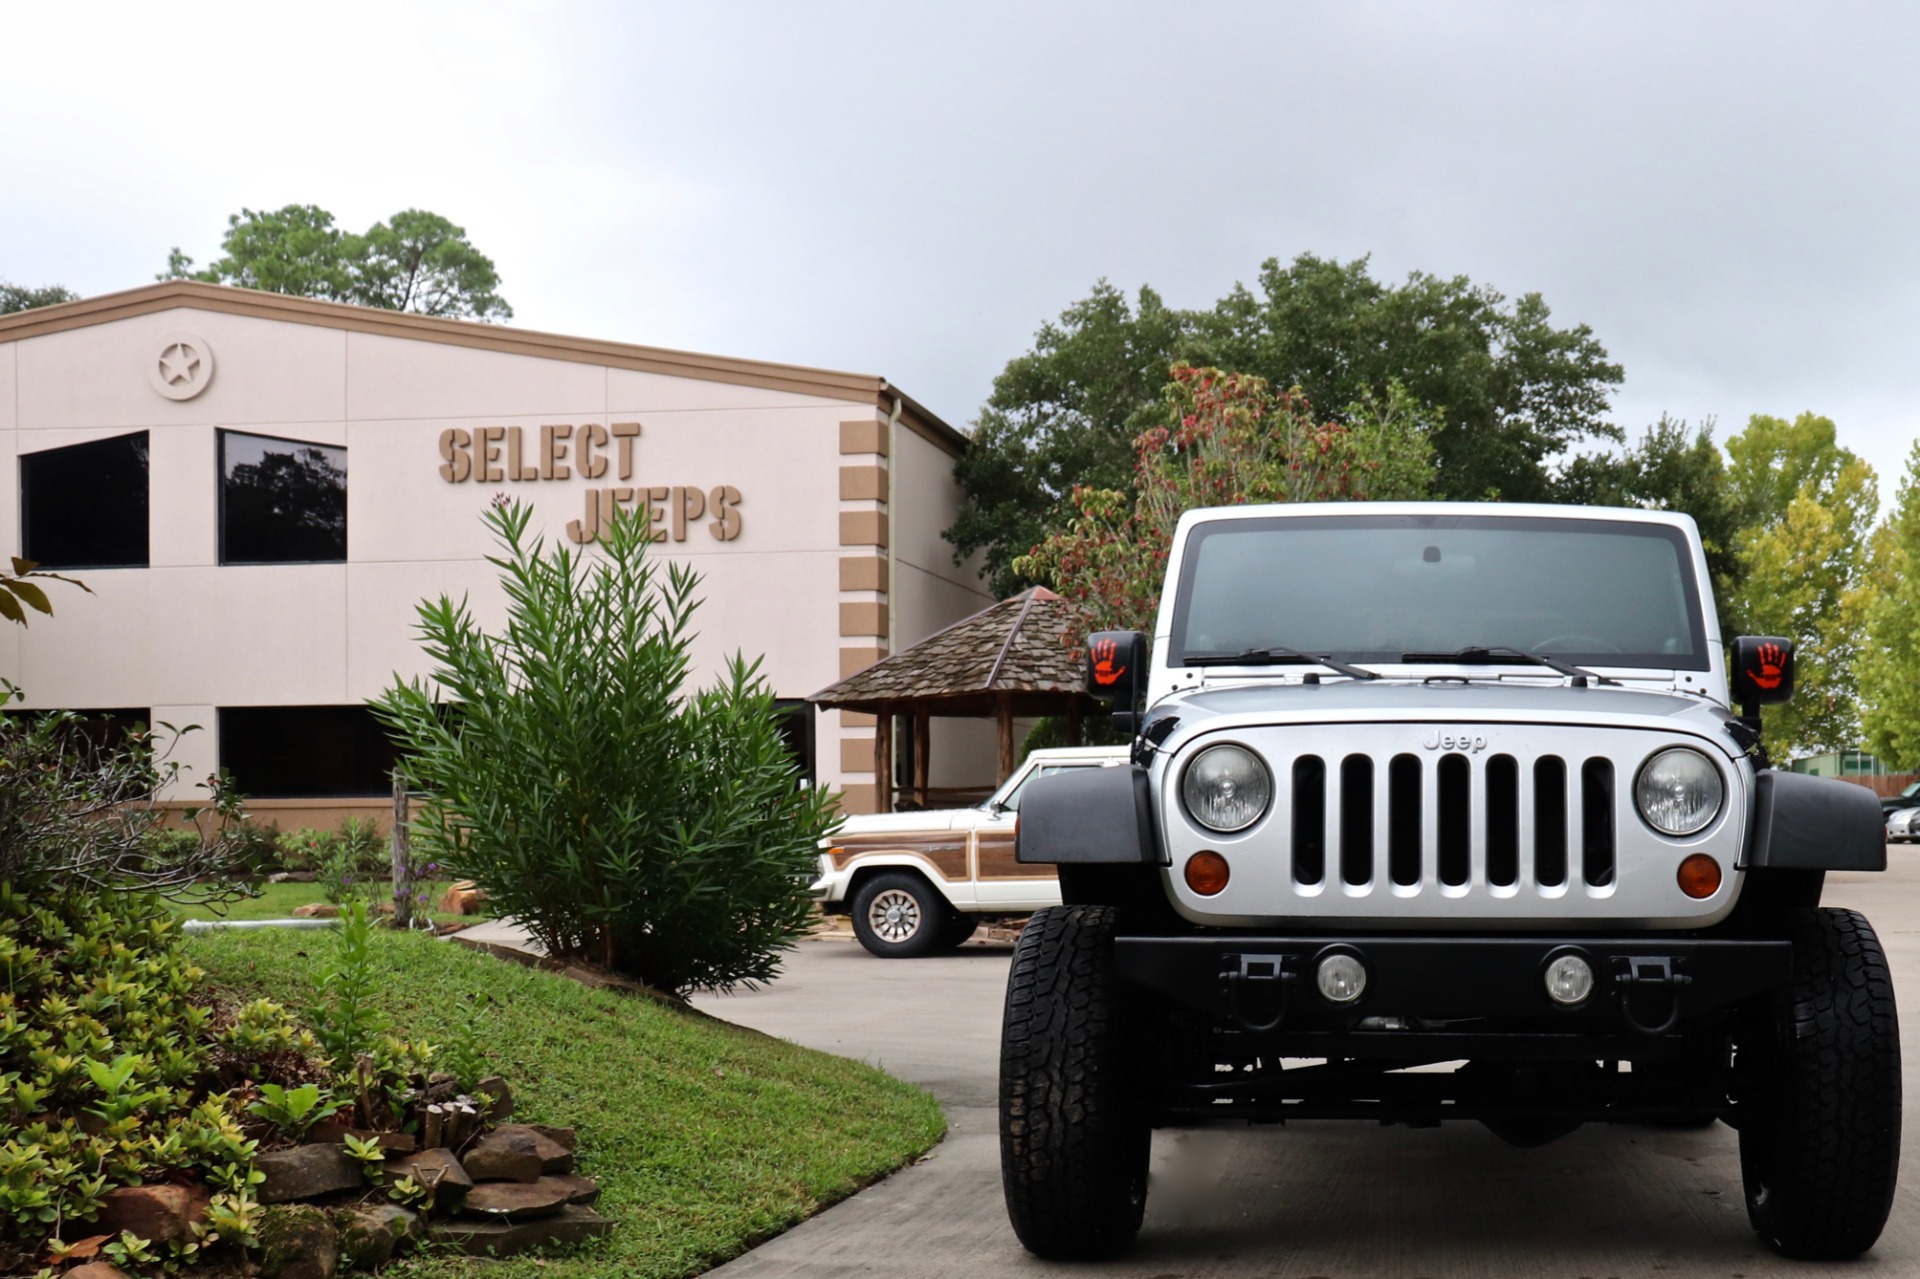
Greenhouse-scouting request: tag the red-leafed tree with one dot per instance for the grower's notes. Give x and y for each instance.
(1230, 441)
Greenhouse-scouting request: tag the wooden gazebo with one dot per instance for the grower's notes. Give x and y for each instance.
(1007, 661)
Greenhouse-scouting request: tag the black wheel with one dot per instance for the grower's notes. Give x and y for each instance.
(1820, 1114)
(960, 926)
(1074, 1134)
(899, 915)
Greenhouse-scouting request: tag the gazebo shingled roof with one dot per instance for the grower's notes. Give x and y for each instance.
(1004, 661)
(1013, 650)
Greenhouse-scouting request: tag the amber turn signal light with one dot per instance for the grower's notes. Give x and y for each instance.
(1699, 876)
(1206, 873)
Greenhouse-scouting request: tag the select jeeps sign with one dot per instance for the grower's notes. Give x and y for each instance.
(492, 454)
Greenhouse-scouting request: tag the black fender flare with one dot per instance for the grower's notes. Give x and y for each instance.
(1089, 817)
(1815, 823)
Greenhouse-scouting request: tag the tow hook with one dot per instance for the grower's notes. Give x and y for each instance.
(1643, 978)
(1255, 984)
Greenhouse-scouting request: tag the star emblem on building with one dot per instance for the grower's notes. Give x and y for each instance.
(179, 363)
(181, 367)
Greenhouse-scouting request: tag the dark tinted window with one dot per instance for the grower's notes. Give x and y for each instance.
(299, 752)
(796, 725)
(101, 730)
(281, 501)
(85, 506)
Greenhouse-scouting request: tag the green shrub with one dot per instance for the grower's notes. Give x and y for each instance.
(300, 849)
(367, 849)
(105, 1059)
(622, 819)
(256, 846)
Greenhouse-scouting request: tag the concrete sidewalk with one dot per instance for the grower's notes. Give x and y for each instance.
(1308, 1199)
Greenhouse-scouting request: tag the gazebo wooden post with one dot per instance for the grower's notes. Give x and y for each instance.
(1003, 719)
(883, 758)
(1073, 722)
(922, 750)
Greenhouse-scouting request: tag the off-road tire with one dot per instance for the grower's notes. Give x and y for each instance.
(920, 929)
(1074, 1132)
(1820, 1122)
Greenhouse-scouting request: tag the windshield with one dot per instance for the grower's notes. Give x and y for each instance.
(1380, 587)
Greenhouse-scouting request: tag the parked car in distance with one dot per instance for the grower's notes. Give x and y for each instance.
(1891, 804)
(1903, 826)
(920, 883)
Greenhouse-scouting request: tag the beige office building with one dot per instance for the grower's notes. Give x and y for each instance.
(259, 489)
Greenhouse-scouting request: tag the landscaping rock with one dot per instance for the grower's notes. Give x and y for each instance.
(436, 1169)
(463, 897)
(306, 1172)
(157, 1213)
(316, 910)
(293, 877)
(516, 1199)
(499, 1098)
(580, 1190)
(561, 1137)
(370, 1235)
(297, 1242)
(515, 1152)
(571, 1224)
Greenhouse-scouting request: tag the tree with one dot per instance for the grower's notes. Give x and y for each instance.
(1503, 389)
(1230, 440)
(1808, 509)
(1063, 415)
(1889, 670)
(18, 297)
(625, 821)
(416, 261)
(1669, 469)
(1515, 391)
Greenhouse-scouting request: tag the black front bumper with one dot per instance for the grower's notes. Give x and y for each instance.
(1476, 988)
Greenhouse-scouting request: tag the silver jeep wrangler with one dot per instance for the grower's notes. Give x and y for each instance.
(1420, 785)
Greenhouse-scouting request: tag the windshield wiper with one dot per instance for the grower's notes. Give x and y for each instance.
(1474, 655)
(1276, 655)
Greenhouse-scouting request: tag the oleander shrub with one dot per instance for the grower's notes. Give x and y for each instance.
(627, 820)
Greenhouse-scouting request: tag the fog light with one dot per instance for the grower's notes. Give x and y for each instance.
(1569, 980)
(1699, 876)
(1342, 978)
(1207, 873)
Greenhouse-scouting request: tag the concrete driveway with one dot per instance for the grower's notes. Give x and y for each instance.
(1311, 1199)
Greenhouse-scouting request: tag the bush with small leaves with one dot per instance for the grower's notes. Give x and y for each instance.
(107, 1049)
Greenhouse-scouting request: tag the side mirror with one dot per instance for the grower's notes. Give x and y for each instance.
(1762, 672)
(1117, 673)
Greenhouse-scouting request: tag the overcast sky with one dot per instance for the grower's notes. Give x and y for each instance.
(1725, 192)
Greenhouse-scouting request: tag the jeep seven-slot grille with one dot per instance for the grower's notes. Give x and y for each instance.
(1365, 847)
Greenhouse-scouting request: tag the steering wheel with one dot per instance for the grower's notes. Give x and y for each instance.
(1576, 644)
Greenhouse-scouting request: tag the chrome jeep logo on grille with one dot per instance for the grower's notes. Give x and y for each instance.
(1471, 743)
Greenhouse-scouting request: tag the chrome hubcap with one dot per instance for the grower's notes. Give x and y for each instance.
(894, 916)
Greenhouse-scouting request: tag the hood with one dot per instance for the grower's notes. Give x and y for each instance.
(1391, 700)
(892, 823)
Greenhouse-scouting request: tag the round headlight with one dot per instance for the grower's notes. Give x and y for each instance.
(1226, 788)
(1679, 792)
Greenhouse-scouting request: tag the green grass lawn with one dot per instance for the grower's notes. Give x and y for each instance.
(705, 1137)
(277, 901)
